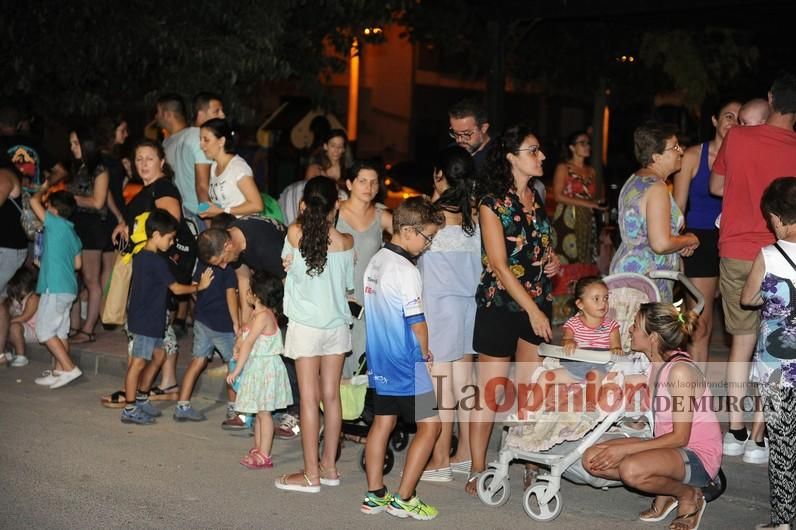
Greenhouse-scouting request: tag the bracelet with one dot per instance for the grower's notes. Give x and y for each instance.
(227, 210)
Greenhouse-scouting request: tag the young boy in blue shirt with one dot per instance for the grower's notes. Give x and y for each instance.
(215, 323)
(152, 280)
(57, 282)
(397, 350)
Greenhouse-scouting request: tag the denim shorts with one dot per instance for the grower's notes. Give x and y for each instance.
(695, 474)
(144, 346)
(206, 340)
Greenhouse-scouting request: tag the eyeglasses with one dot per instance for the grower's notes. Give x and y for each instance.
(533, 149)
(675, 147)
(466, 135)
(583, 142)
(424, 236)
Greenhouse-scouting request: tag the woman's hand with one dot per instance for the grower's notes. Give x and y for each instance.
(553, 265)
(287, 261)
(609, 456)
(120, 233)
(693, 244)
(540, 324)
(212, 211)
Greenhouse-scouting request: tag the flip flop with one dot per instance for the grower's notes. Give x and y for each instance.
(655, 515)
(282, 484)
(117, 400)
(680, 519)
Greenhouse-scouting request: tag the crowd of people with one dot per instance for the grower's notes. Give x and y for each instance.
(438, 283)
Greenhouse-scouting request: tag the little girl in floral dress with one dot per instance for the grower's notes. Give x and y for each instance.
(264, 386)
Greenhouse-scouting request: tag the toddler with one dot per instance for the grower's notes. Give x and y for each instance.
(264, 386)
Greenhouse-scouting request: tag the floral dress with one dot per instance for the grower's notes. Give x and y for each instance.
(264, 385)
(634, 253)
(775, 354)
(527, 239)
(574, 228)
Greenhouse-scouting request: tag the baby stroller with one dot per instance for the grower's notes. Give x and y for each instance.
(558, 440)
(357, 403)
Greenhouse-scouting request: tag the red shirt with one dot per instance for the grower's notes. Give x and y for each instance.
(750, 158)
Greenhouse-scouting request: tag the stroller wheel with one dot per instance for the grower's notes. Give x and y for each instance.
(537, 510)
(493, 490)
(454, 444)
(389, 460)
(399, 439)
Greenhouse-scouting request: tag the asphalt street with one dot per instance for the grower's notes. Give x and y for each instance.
(67, 462)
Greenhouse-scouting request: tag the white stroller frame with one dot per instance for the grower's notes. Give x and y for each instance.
(542, 500)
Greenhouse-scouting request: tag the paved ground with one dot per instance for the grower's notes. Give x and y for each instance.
(69, 463)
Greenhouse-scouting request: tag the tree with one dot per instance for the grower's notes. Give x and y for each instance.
(86, 56)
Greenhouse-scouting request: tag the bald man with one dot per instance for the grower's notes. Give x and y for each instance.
(754, 112)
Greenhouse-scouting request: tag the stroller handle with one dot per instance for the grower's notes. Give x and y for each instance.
(682, 278)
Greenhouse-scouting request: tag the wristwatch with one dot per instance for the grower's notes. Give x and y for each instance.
(227, 210)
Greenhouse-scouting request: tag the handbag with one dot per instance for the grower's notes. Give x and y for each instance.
(27, 218)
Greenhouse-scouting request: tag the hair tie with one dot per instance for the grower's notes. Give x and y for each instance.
(681, 318)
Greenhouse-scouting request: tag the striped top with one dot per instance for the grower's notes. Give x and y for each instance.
(598, 338)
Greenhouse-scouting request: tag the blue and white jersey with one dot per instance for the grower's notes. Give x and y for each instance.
(393, 303)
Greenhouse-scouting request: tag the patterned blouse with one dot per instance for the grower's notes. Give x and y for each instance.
(527, 239)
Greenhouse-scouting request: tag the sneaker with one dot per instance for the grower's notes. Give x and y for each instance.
(414, 508)
(149, 409)
(19, 361)
(136, 416)
(754, 454)
(6, 357)
(288, 428)
(733, 446)
(374, 504)
(48, 377)
(65, 378)
(188, 414)
(235, 423)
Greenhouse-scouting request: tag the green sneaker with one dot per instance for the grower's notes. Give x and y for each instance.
(374, 504)
(414, 508)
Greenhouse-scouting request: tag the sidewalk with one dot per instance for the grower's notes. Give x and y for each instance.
(108, 356)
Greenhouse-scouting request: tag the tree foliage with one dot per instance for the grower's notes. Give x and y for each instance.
(87, 55)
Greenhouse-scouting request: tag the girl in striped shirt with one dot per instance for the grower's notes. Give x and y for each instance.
(589, 329)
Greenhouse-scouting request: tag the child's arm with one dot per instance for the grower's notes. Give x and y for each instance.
(256, 327)
(616, 342)
(36, 203)
(204, 283)
(31, 306)
(420, 329)
(568, 341)
(750, 295)
(232, 303)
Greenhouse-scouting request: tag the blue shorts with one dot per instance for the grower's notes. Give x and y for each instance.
(695, 474)
(579, 369)
(206, 341)
(144, 346)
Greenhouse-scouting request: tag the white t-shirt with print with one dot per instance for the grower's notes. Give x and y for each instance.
(224, 190)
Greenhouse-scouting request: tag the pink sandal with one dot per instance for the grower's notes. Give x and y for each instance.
(255, 459)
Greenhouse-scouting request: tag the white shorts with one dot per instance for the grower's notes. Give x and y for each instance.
(52, 317)
(306, 341)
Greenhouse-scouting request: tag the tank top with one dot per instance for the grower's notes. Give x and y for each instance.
(366, 244)
(703, 208)
(705, 440)
(12, 235)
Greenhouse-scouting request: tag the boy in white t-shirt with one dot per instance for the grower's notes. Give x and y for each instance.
(397, 348)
